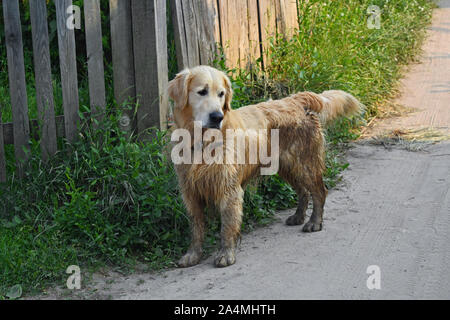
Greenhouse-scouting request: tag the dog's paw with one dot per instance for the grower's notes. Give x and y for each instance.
(312, 227)
(295, 220)
(225, 258)
(191, 258)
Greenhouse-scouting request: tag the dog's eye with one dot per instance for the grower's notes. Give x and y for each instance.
(221, 94)
(203, 92)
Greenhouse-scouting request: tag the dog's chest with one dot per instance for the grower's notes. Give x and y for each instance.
(210, 182)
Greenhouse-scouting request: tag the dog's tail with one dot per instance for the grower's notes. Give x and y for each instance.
(332, 104)
(336, 104)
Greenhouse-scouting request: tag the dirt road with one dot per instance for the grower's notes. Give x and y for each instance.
(395, 216)
(391, 211)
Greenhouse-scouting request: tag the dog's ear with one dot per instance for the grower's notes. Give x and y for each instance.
(229, 93)
(179, 87)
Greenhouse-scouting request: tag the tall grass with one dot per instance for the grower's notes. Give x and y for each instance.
(335, 49)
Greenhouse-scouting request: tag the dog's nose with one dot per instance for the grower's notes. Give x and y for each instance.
(216, 117)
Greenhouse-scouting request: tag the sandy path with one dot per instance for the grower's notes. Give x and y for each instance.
(426, 87)
(392, 210)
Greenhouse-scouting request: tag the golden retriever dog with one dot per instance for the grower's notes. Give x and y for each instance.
(202, 95)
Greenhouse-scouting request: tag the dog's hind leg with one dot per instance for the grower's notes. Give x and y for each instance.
(294, 178)
(303, 199)
(319, 193)
(196, 210)
(231, 219)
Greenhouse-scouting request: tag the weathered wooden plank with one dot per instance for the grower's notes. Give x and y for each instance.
(223, 16)
(291, 16)
(286, 17)
(186, 32)
(243, 33)
(123, 61)
(213, 5)
(150, 58)
(224, 32)
(43, 75)
(230, 20)
(206, 17)
(253, 30)
(68, 68)
(94, 48)
(190, 24)
(2, 152)
(267, 18)
(176, 9)
(279, 13)
(17, 85)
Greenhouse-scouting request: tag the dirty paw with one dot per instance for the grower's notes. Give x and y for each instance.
(312, 227)
(295, 220)
(191, 258)
(225, 258)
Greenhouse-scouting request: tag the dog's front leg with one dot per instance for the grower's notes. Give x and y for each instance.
(231, 219)
(196, 210)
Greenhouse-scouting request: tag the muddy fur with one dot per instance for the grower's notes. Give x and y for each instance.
(301, 158)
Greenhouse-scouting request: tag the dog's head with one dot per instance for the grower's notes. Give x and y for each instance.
(201, 94)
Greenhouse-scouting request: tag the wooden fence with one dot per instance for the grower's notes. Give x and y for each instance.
(139, 58)
(241, 27)
(139, 46)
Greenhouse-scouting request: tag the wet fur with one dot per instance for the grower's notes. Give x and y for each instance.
(301, 142)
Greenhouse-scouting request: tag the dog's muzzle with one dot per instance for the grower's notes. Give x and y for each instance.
(215, 118)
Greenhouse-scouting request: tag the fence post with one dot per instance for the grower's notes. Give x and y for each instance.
(94, 48)
(150, 61)
(206, 16)
(123, 60)
(197, 30)
(185, 27)
(268, 26)
(17, 85)
(43, 75)
(286, 16)
(253, 32)
(176, 9)
(68, 66)
(235, 35)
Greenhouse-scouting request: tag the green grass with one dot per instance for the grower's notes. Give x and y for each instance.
(116, 202)
(335, 49)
